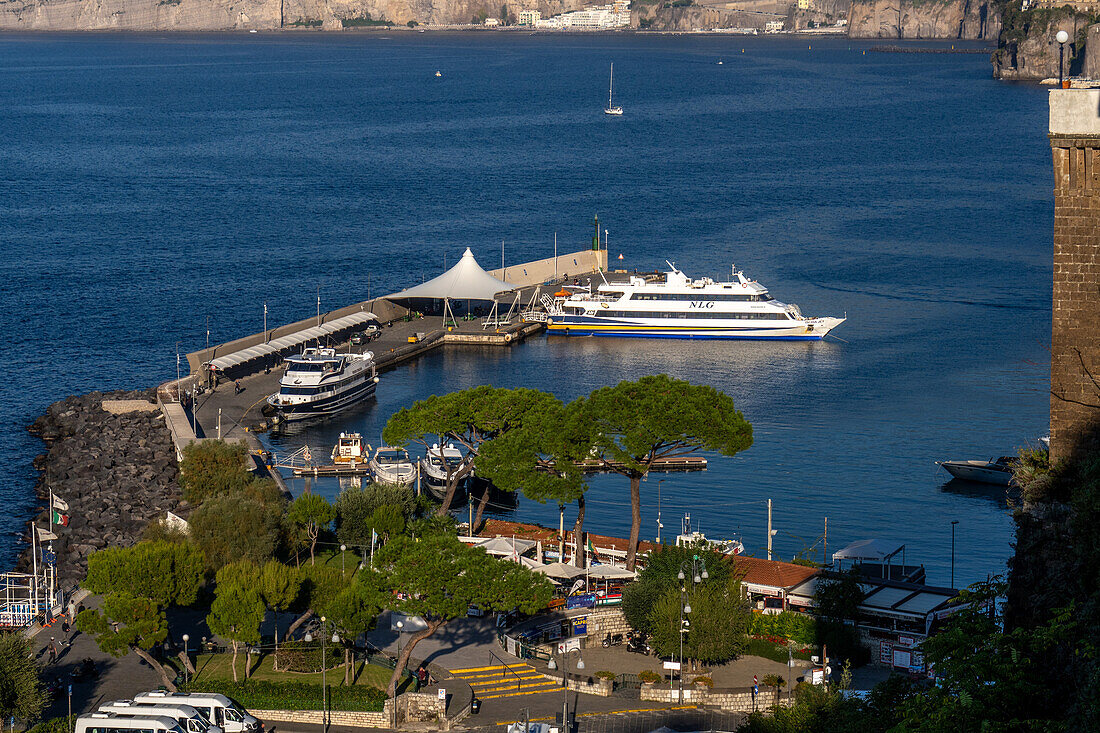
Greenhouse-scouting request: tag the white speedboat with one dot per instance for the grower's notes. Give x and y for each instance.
(319, 382)
(680, 307)
(392, 465)
(611, 109)
(434, 467)
(350, 450)
(997, 472)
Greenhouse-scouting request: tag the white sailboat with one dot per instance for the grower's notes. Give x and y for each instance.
(611, 108)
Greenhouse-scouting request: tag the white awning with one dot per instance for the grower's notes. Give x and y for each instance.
(465, 281)
(504, 546)
(869, 550)
(291, 341)
(607, 572)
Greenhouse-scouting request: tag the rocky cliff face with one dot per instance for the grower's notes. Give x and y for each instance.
(217, 15)
(694, 17)
(973, 19)
(1026, 49)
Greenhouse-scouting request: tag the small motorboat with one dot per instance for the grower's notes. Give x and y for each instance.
(391, 465)
(998, 472)
(438, 73)
(434, 468)
(350, 450)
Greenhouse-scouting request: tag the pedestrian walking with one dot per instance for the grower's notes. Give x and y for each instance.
(421, 678)
(237, 387)
(53, 650)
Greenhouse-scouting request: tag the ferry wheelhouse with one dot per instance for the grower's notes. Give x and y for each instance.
(680, 307)
(319, 382)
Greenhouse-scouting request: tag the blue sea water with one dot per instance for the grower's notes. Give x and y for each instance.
(153, 184)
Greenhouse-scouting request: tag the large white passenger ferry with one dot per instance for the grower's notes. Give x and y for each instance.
(320, 382)
(680, 307)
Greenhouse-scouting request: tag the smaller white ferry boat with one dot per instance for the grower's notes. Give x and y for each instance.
(392, 465)
(680, 307)
(433, 471)
(350, 450)
(319, 382)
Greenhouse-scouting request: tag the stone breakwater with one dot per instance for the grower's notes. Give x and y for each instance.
(117, 472)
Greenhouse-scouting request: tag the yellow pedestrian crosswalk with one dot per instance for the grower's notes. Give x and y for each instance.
(498, 680)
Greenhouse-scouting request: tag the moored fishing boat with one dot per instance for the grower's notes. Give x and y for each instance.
(350, 450)
(679, 307)
(997, 472)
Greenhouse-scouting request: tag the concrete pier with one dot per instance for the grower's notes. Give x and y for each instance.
(221, 412)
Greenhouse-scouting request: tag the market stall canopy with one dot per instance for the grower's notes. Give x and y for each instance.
(506, 546)
(869, 551)
(607, 572)
(560, 570)
(465, 281)
(527, 562)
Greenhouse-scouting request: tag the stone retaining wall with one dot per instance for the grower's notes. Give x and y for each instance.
(412, 707)
(734, 700)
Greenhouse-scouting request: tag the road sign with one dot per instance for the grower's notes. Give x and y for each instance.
(672, 665)
(442, 694)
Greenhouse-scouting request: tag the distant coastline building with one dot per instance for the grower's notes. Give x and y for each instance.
(773, 26)
(528, 17)
(600, 17)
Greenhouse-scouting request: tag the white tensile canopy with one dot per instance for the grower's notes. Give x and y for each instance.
(607, 572)
(465, 281)
(506, 546)
(560, 570)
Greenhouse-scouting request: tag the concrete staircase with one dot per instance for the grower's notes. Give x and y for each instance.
(497, 681)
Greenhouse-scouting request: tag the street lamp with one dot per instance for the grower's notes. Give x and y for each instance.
(324, 686)
(685, 626)
(953, 523)
(343, 548)
(565, 682)
(186, 659)
(1061, 37)
(659, 525)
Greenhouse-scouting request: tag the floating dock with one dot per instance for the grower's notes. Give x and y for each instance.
(683, 463)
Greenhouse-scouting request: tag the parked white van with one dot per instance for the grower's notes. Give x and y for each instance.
(218, 709)
(114, 723)
(190, 719)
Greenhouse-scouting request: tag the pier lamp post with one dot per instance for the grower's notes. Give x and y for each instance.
(324, 686)
(698, 571)
(552, 665)
(187, 659)
(343, 548)
(1061, 37)
(659, 525)
(685, 626)
(953, 523)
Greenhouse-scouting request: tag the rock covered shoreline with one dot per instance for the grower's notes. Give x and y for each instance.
(116, 472)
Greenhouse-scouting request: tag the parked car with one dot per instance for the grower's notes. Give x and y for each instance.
(368, 334)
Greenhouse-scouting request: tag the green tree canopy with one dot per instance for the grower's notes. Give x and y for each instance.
(213, 467)
(356, 507)
(660, 576)
(439, 578)
(310, 514)
(233, 527)
(636, 423)
(238, 609)
(279, 585)
(354, 610)
(21, 694)
(468, 419)
(169, 573)
(128, 623)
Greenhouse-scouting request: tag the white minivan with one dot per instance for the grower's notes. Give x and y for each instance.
(114, 723)
(190, 719)
(218, 709)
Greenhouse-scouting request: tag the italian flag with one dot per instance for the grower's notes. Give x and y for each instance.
(59, 518)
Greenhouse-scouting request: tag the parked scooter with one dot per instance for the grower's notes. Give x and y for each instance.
(612, 640)
(636, 642)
